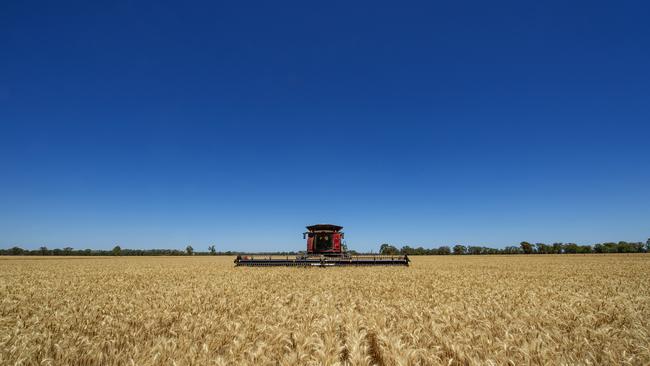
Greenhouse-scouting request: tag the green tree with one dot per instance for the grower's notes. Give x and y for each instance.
(571, 248)
(43, 250)
(609, 247)
(526, 247)
(543, 248)
(584, 249)
(67, 251)
(444, 250)
(212, 249)
(459, 249)
(387, 249)
(189, 250)
(418, 251)
(647, 245)
(117, 250)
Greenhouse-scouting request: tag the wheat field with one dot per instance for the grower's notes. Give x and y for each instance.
(446, 310)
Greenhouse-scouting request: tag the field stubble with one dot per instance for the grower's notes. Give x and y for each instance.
(542, 309)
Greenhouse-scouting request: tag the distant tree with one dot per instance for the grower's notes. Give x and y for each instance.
(407, 250)
(117, 250)
(610, 247)
(459, 249)
(584, 249)
(444, 250)
(420, 251)
(526, 247)
(212, 250)
(387, 249)
(67, 251)
(17, 251)
(189, 250)
(647, 246)
(543, 248)
(43, 250)
(557, 248)
(571, 248)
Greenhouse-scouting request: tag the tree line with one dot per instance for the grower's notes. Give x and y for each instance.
(116, 251)
(523, 248)
(385, 249)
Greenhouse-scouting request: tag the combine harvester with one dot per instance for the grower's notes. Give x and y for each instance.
(324, 249)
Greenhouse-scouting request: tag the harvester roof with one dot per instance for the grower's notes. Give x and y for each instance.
(324, 227)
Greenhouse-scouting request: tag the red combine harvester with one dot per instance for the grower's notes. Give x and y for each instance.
(324, 248)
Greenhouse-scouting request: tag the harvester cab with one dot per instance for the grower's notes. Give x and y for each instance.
(324, 239)
(324, 248)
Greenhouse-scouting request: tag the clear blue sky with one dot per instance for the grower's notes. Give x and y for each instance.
(156, 124)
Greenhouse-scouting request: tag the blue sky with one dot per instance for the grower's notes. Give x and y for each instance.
(158, 124)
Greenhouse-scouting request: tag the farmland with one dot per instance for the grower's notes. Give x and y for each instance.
(537, 309)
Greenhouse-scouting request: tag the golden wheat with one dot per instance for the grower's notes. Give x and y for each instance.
(447, 310)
